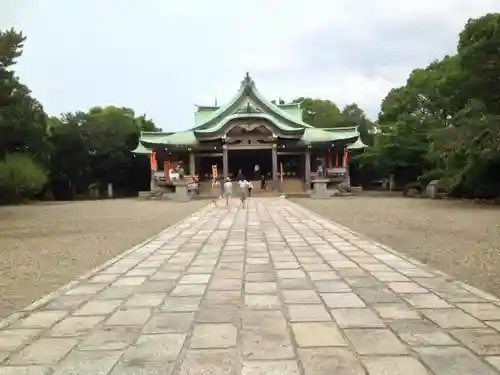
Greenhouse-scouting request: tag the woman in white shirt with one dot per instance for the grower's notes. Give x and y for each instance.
(216, 193)
(228, 190)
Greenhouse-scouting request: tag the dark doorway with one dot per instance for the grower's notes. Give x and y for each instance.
(293, 165)
(245, 160)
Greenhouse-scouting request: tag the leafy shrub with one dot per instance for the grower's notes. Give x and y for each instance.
(413, 186)
(20, 178)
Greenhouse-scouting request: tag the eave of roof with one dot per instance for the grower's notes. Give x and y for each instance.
(358, 145)
(315, 135)
(140, 149)
(185, 138)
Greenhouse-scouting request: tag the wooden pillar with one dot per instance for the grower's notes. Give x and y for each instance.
(192, 165)
(275, 165)
(225, 162)
(307, 166)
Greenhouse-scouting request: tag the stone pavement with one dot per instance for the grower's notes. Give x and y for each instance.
(271, 289)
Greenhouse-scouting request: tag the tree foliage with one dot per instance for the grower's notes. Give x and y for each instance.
(444, 122)
(326, 114)
(22, 117)
(69, 152)
(20, 177)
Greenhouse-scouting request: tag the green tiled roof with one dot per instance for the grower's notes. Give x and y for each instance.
(217, 126)
(316, 135)
(294, 112)
(248, 89)
(186, 138)
(203, 114)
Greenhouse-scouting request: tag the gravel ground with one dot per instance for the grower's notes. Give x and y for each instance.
(44, 246)
(459, 238)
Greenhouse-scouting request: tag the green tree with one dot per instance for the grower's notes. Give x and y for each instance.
(70, 159)
(147, 125)
(23, 125)
(444, 123)
(409, 117)
(94, 148)
(319, 113)
(352, 115)
(75, 149)
(111, 133)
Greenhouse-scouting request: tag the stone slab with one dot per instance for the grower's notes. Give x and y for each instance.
(269, 289)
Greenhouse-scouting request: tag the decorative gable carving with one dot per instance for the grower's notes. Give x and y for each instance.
(243, 129)
(248, 107)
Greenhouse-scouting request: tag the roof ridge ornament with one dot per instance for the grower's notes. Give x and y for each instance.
(247, 81)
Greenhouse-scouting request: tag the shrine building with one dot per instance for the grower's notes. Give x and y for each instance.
(250, 130)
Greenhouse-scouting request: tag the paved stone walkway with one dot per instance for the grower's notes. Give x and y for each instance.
(271, 289)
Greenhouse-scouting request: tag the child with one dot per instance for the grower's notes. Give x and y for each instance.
(250, 187)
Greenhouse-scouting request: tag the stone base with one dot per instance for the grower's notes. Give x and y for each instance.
(144, 195)
(158, 193)
(320, 189)
(181, 193)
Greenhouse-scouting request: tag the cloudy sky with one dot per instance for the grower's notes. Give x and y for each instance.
(161, 57)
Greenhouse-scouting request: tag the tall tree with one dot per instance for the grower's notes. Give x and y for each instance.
(319, 113)
(23, 125)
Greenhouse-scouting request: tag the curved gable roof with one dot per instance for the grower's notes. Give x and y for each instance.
(248, 90)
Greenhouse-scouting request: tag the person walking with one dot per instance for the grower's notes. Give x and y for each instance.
(228, 190)
(243, 191)
(250, 187)
(216, 192)
(262, 182)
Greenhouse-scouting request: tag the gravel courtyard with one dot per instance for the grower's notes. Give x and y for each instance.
(459, 238)
(44, 246)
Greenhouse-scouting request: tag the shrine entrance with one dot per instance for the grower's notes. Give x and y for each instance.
(245, 160)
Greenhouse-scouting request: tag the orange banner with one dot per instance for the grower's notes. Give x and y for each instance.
(152, 161)
(344, 161)
(214, 172)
